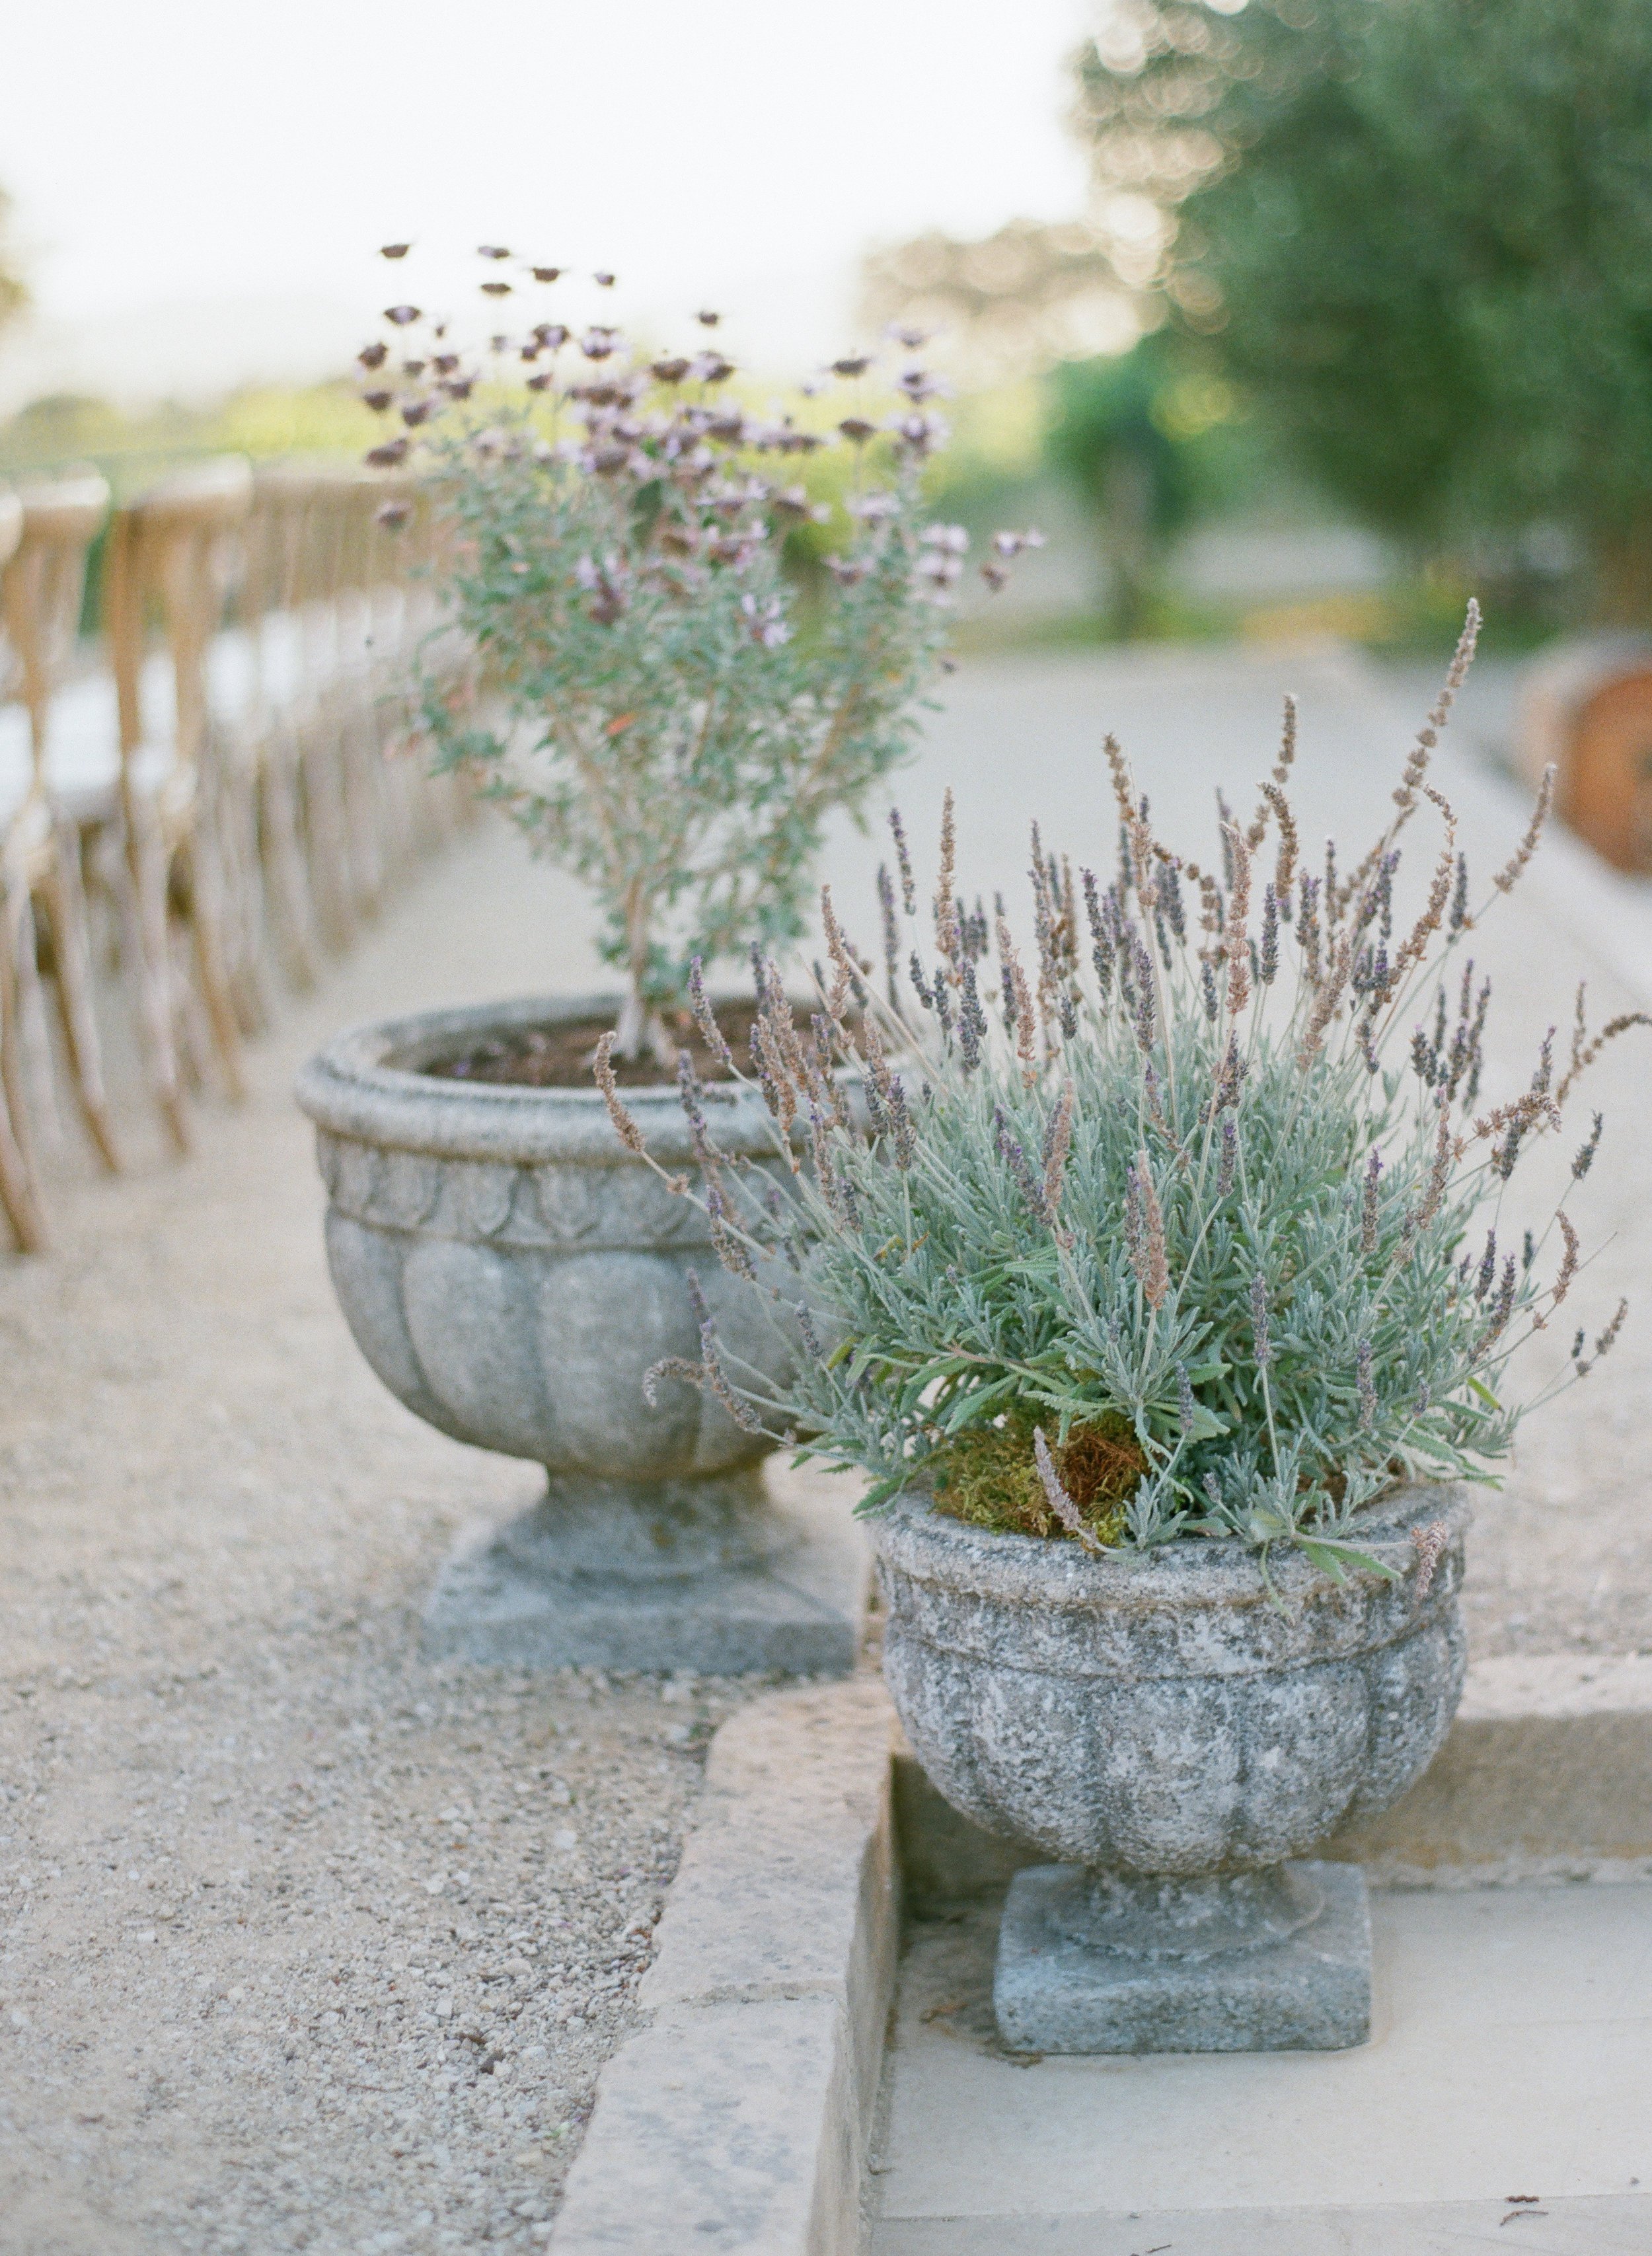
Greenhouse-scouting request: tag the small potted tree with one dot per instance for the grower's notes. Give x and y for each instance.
(666, 709)
(1169, 1305)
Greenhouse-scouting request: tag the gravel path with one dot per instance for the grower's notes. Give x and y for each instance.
(303, 1945)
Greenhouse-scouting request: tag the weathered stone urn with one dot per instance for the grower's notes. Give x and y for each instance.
(511, 1271)
(1177, 1741)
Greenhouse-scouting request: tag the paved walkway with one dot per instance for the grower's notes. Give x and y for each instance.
(1511, 2056)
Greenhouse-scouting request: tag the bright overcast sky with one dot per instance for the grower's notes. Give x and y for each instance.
(177, 153)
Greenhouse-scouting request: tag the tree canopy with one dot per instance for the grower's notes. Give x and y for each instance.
(1419, 232)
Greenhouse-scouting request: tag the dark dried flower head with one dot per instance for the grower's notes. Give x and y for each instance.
(604, 280)
(857, 430)
(374, 355)
(402, 317)
(390, 456)
(851, 364)
(708, 320)
(394, 250)
(547, 273)
(1429, 1543)
(392, 514)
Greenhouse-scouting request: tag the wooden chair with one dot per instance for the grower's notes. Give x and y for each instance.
(19, 1195)
(41, 894)
(167, 554)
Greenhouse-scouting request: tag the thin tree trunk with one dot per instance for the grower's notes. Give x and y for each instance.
(641, 1029)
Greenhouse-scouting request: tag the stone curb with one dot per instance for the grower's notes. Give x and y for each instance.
(736, 2121)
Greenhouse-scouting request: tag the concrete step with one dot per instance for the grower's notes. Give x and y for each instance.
(1511, 2056)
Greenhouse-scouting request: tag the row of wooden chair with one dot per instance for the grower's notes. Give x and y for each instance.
(214, 797)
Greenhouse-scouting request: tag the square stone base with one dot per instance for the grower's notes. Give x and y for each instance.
(1309, 1993)
(802, 1614)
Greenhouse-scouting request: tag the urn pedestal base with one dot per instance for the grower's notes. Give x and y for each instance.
(1267, 1961)
(724, 1576)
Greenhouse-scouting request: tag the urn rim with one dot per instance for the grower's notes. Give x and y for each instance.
(366, 1085)
(1034, 1573)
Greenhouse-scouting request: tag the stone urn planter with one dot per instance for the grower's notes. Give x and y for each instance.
(511, 1271)
(1178, 1743)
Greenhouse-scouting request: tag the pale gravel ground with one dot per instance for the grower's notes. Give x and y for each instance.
(295, 1952)
(303, 1944)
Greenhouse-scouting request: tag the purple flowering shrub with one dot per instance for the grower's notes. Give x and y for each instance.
(650, 713)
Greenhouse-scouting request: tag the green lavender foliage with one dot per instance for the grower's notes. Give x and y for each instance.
(1205, 1166)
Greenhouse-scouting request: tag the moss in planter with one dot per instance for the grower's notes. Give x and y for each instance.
(988, 1476)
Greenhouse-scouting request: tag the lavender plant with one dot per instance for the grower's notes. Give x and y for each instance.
(1186, 1222)
(667, 732)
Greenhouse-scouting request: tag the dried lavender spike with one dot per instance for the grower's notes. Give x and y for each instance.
(1268, 962)
(1014, 1154)
(909, 890)
(1364, 1383)
(690, 1097)
(728, 1248)
(1147, 1253)
(1509, 875)
(891, 931)
(1186, 1407)
(1058, 1138)
(1228, 1158)
(1458, 919)
(971, 1019)
(1260, 1334)
(1429, 1543)
(1060, 1503)
(946, 923)
(1487, 1268)
(705, 1017)
(669, 1366)
(1586, 1151)
(625, 1126)
(1368, 1207)
(905, 1134)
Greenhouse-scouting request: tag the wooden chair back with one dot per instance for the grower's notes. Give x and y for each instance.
(43, 586)
(173, 550)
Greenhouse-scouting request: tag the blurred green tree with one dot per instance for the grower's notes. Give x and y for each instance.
(1419, 234)
(1148, 437)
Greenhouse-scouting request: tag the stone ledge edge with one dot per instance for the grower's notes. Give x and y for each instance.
(738, 2116)
(741, 2107)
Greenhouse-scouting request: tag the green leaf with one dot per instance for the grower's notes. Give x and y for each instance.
(1331, 1556)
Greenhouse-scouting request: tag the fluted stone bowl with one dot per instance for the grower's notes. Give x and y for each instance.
(1157, 1715)
(512, 1272)
(508, 1269)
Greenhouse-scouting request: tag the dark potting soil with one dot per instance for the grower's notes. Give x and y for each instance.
(559, 1056)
